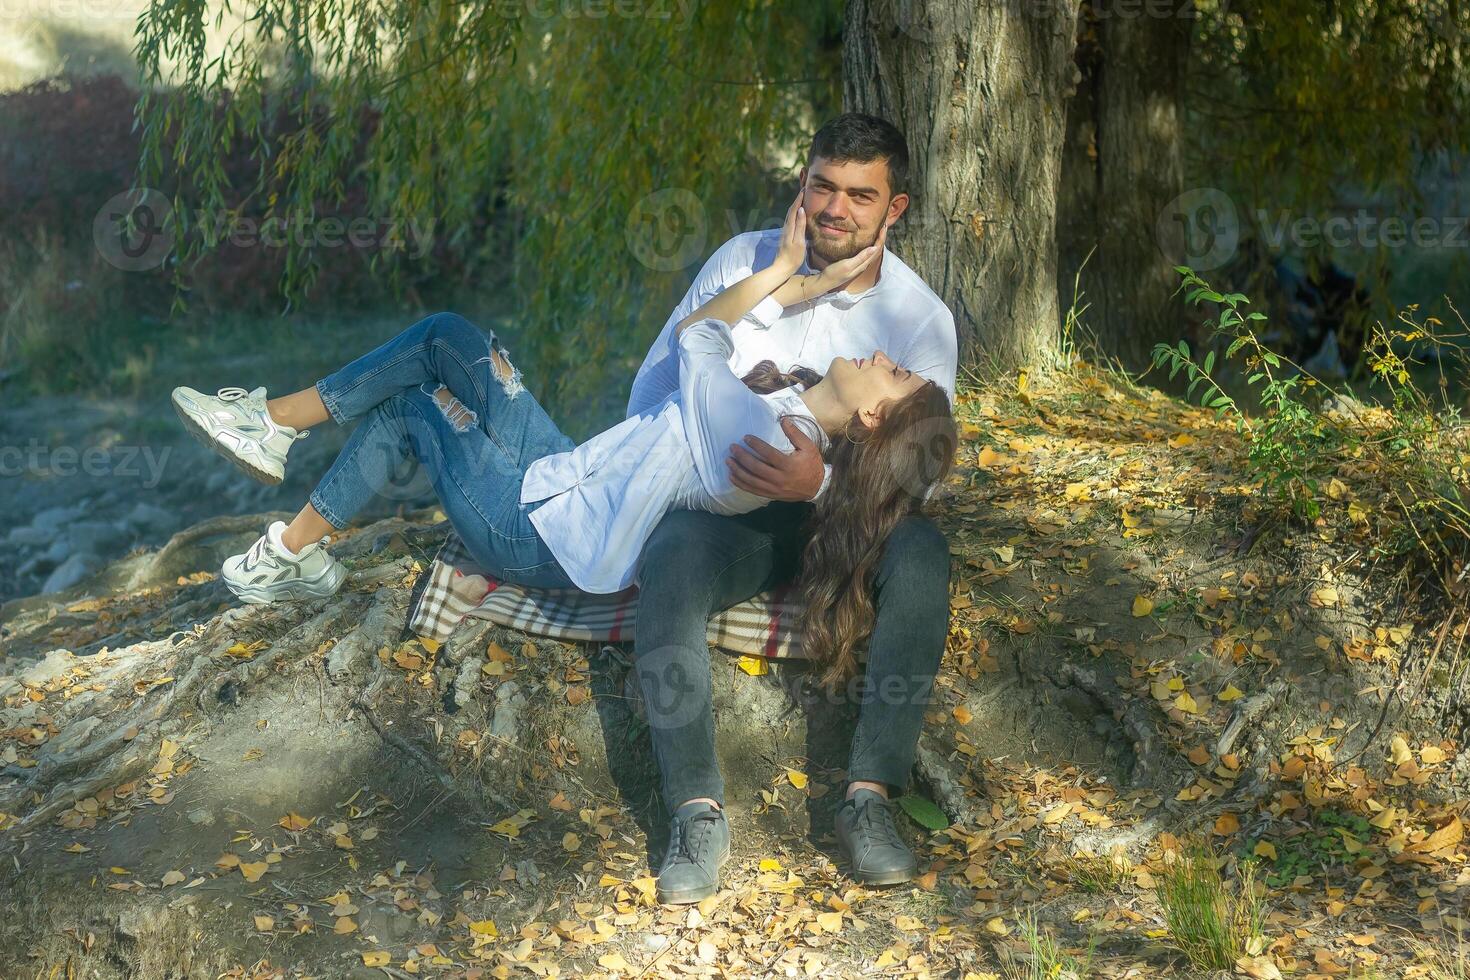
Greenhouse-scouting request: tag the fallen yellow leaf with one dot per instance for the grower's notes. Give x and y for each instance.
(295, 822)
(754, 666)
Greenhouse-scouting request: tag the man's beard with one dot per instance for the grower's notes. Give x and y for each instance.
(836, 249)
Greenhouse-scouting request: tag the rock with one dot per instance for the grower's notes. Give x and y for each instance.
(61, 548)
(96, 536)
(145, 516)
(1346, 404)
(52, 518)
(69, 573)
(28, 536)
(48, 669)
(506, 723)
(466, 682)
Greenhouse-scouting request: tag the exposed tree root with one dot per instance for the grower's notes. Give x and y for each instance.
(364, 703)
(1134, 716)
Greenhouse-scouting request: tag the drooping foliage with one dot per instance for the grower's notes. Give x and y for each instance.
(584, 156)
(588, 154)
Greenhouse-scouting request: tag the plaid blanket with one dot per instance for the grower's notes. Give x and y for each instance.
(764, 626)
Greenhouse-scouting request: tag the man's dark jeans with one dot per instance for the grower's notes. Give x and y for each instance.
(697, 564)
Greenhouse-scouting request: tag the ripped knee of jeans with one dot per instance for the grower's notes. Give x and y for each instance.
(455, 411)
(506, 373)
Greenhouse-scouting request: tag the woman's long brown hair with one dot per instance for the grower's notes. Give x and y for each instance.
(879, 476)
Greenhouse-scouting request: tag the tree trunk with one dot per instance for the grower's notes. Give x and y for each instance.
(1121, 168)
(979, 88)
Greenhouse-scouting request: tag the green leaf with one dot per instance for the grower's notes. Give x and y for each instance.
(923, 812)
(1183, 349)
(1209, 362)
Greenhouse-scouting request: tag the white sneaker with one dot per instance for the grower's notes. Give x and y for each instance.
(269, 571)
(235, 424)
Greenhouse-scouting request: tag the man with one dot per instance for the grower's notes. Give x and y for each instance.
(696, 564)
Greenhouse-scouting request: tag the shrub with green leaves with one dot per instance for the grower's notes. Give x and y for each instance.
(1408, 454)
(1317, 850)
(1287, 442)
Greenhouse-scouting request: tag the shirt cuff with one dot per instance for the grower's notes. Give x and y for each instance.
(766, 312)
(826, 479)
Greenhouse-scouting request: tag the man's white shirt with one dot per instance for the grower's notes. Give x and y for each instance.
(899, 315)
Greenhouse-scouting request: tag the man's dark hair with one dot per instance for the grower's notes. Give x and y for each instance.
(861, 138)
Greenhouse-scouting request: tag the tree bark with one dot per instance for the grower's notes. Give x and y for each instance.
(1122, 167)
(979, 88)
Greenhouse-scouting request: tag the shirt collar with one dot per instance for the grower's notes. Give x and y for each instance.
(789, 402)
(842, 299)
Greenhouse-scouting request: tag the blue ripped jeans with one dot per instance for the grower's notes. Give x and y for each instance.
(474, 446)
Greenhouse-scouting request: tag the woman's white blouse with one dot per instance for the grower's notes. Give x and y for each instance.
(604, 498)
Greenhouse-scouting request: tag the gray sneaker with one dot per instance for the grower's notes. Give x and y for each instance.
(268, 572)
(699, 845)
(235, 424)
(870, 841)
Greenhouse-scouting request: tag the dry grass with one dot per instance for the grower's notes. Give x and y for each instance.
(1448, 959)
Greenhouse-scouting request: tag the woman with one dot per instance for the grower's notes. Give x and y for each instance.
(536, 509)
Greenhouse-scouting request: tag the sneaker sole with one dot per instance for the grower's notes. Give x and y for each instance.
(264, 595)
(202, 435)
(689, 896)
